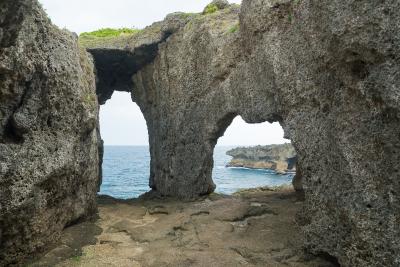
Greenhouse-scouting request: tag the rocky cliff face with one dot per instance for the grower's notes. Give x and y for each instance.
(327, 71)
(333, 68)
(280, 158)
(48, 143)
(177, 53)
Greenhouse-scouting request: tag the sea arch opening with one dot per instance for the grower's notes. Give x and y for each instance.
(252, 155)
(126, 158)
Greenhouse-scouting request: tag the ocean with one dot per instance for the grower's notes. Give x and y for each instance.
(126, 173)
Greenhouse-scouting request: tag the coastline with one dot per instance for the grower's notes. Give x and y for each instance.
(280, 158)
(261, 165)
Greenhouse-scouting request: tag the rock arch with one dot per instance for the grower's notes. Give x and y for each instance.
(328, 71)
(333, 88)
(184, 95)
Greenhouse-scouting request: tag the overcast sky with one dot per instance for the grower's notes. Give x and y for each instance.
(121, 121)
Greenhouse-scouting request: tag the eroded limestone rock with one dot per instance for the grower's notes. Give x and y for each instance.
(328, 72)
(333, 68)
(119, 58)
(280, 158)
(48, 145)
(171, 103)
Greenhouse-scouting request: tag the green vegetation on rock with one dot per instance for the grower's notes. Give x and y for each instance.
(210, 8)
(109, 32)
(88, 39)
(76, 258)
(234, 28)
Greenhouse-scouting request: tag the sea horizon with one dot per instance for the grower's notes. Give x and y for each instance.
(126, 171)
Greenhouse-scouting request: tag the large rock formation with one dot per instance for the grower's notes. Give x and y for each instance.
(280, 158)
(333, 69)
(178, 53)
(327, 71)
(48, 144)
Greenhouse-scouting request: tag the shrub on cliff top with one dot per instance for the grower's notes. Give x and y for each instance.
(215, 5)
(210, 8)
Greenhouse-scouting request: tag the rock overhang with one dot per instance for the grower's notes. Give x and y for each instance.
(118, 58)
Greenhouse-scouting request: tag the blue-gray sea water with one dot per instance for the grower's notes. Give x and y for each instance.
(126, 173)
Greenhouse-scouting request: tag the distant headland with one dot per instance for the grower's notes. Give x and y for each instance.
(280, 158)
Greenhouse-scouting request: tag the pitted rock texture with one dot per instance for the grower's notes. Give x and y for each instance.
(182, 100)
(335, 75)
(328, 72)
(48, 144)
(280, 158)
(172, 98)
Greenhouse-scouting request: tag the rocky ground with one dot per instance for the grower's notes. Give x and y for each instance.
(253, 228)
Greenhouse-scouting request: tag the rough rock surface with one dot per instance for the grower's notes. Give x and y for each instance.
(48, 144)
(328, 72)
(280, 158)
(333, 68)
(118, 58)
(253, 228)
(188, 42)
(181, 97)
